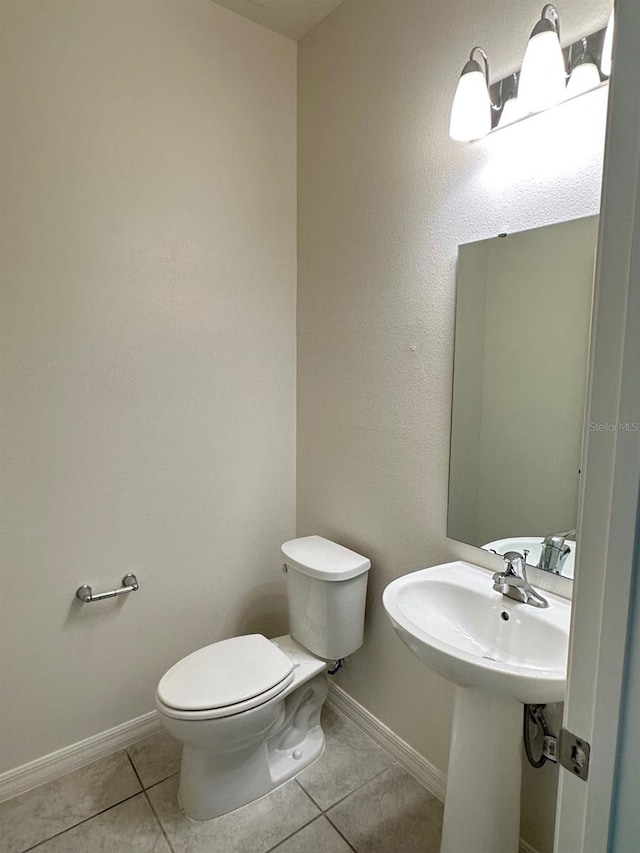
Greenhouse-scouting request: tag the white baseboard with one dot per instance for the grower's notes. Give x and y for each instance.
(57, 764)
(433, 779)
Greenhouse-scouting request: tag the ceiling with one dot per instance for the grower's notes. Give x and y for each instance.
(292, 18)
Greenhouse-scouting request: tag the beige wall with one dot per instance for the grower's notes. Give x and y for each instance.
(148, 302)
(384, 200)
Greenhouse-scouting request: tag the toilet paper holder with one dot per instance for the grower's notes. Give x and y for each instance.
(87, 596)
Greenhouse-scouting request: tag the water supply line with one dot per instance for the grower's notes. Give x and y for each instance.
(534, 714)
(336, 666)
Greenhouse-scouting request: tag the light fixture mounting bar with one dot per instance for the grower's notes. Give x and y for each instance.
(502, 89)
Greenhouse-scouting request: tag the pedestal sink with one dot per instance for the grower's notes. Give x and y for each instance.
(499, 653)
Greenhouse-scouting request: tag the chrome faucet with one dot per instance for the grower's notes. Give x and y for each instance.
(512, 581)
(555, 551)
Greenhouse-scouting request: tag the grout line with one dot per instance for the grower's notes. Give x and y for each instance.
(307, 794)
(133, 767)
(293, 834)
(162, 829)
(357, 788)
(304, 825)
(160, 781)
(342, 800)
(340, 833)
(324, 812)
(80, 822)
(153, 784)
(423, 770)
(154, 812)
(301, 786)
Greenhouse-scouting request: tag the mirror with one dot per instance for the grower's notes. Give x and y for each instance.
(523, 317)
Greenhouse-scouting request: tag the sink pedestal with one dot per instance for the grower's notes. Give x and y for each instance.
(500, 653)
(482, 807)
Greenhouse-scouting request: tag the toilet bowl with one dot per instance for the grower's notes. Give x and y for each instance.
(247, 709)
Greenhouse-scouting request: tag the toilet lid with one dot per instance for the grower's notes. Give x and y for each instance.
(225, 673)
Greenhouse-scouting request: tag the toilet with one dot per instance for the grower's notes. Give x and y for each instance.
(247, 709)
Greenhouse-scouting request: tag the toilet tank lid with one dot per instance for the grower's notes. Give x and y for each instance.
(320, 558)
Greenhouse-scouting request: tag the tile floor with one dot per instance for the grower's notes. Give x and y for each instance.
(354, 798)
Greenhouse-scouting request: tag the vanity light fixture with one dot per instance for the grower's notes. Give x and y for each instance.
(585, 75)
(543, 76)
(480, 106)
(513, 109)
(472, 105)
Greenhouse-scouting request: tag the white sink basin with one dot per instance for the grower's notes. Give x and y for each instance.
(500, 653)
(455, 622)
(533, 544)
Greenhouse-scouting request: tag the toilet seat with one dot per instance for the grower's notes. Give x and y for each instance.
(225, 678)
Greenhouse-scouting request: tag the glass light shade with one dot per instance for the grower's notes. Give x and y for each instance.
(543, 75)
(607, 48)
(471, 109)
(512, 111)
(584, 77)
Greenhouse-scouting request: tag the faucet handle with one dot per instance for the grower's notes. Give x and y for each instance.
(500, 582)
(515, 564)
(511, 557)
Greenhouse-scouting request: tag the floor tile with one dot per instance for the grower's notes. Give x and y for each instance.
(156, 758)
(37, 815)
(350, 758)
(317, 837)
(393, 812)
(131, 826)
(255, 828)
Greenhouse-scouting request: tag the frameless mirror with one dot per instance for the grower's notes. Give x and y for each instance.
(523, 317)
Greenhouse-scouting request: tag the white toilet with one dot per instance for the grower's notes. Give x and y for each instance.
(247, 709)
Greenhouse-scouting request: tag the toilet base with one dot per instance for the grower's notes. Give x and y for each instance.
(213, 783)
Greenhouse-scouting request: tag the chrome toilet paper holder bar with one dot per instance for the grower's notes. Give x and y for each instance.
(85, 594)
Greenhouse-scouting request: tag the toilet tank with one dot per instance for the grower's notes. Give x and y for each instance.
(327, 587)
